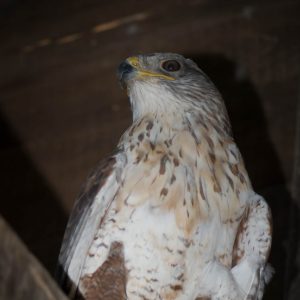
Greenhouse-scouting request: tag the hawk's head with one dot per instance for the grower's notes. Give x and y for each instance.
(166, 82)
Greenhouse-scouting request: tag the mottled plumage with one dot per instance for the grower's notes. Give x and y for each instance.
(172, 214)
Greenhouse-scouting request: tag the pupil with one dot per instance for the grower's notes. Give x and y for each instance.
(171, 65)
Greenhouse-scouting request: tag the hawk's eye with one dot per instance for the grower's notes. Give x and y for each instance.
(171, 65)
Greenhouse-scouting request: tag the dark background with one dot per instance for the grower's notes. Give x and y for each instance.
(62, 110)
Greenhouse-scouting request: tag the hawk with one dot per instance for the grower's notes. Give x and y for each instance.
(172, 213)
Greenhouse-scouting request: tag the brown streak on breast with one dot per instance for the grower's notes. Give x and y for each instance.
(230, 181)
(242, 178)
(176, 162)
(210, 142)
(180, 152)
(212, 157)
(173, 178)
(141, 137)
(109, 281)
(139, 156)
(216, 185)
(162, 168)
(164, 192)
(152, 146)
(176, 287)
(234, 169)
(201, 189)
(149, 126)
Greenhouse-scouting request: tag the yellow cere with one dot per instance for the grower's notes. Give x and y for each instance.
(134, 61)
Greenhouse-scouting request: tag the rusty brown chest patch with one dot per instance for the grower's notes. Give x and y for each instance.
(109, 281)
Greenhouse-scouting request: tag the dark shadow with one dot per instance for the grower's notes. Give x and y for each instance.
(250, 131)
(247, 119)
(27, 202)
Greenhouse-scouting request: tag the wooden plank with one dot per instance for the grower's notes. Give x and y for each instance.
(21, 275)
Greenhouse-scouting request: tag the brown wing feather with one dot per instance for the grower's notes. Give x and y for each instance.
(109, 281)
(78, 218)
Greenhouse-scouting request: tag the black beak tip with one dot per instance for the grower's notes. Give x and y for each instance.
(124, 69)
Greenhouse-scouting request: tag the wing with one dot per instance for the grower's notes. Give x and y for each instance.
(252, 248)
(88, 212)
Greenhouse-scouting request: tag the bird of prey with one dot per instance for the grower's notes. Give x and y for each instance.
(172, 213)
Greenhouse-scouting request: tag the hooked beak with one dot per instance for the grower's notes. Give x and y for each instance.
(131, 68)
